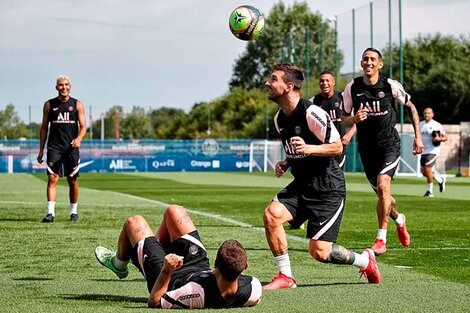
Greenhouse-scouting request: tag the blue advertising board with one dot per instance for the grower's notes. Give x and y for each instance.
(19, 156)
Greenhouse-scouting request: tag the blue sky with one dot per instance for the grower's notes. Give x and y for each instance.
(152, 53)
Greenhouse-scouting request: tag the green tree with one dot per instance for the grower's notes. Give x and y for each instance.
(136, 125)
(239, 114)
(164, 120)
(285, 38)
(436, 74)
(11, 126)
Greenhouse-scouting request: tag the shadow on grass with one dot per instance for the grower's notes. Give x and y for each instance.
(323, 285)
(114, 280)
(33, 278)
(101, 297)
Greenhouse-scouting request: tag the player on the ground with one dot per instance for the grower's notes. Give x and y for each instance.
(433, 134)
(317, 193)
(64, 120)
(175, 265)
(331, 101)
(369, 102)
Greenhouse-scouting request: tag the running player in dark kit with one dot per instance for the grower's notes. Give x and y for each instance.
(331, 101)
(317, 193)
(369, 102)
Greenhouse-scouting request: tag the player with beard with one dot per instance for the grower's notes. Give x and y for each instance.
(317, 193)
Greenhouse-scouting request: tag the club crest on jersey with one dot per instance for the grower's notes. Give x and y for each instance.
(193, 249)
(336, 104)
(70, 108)
(51, 164)
(297, 130)
(381, 94)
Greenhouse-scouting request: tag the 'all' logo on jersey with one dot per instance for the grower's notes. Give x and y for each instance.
(63, 116)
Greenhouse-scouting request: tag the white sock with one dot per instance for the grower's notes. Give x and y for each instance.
(51, 207)
(382, 234)
(400, 220)
(73, 208)
(283, 264)
(430, 187)
(119, 263)
(361, 260)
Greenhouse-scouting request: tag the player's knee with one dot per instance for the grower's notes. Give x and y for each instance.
(172, 211)
(319, 255)
(133, 221)
(272, 215)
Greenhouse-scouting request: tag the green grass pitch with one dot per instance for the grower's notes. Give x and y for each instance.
(51, 267)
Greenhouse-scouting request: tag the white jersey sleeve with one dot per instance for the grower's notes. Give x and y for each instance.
(321, 125)
(398, 91)
(256, 292)
(275, 122)
(190, 296)
(347, 99)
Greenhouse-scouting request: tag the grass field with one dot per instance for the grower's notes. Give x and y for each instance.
(51, 267)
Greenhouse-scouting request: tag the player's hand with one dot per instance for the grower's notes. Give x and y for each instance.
(345, 140)
(281, 168)
(172, 262)
(418, 146)
(299, 145)
(361, 114)
(39, 158)
(76, 143)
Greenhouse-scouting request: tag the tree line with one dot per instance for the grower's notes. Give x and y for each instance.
(436, 74)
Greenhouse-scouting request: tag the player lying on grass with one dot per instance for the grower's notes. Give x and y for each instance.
(175, 265)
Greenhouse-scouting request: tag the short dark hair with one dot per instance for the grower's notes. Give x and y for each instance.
(231, 259)
(373, 50)
(327, 73)
(292, 74)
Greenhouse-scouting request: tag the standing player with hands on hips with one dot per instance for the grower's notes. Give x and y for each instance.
(64, 120)
(317, 193)
(369, 102)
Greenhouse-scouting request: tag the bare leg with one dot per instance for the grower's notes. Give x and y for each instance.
(384, 201)
(51, 187)
(135, 228)
(176, 223)
(73, 189)
(275, 215)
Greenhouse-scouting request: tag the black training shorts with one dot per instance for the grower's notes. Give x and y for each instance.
(148, 256)
(323, 211)
(379, 163)
(63, 162)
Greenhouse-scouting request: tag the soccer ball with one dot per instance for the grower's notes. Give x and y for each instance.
(246, 22)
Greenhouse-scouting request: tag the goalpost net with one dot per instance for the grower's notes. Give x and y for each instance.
(264, 155)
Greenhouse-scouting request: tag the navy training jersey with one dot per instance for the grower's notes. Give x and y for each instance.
(333, 106)
(315, 127)
(202, 291)
(63, 123)
(378, 130)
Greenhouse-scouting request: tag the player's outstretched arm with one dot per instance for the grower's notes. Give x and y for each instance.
(172, 262)
(418, 145)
